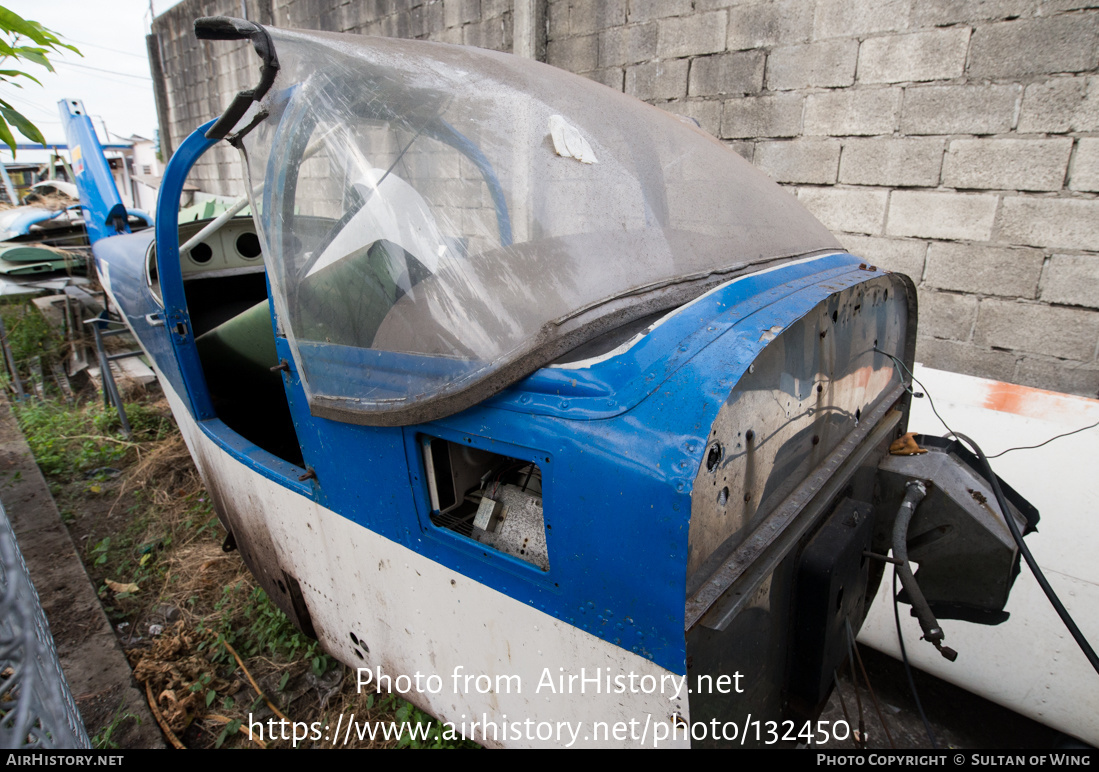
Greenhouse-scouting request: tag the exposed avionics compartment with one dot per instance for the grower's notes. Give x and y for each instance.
(544, 387)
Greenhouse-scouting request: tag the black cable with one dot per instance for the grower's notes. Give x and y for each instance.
(843, 706)
(914, 380)
(936, 412)
(994, 481)
(854, 647)
(1051, 439)
(858, 697)
(1062, 612)
(908, 667)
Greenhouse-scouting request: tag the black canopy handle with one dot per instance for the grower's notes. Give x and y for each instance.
(226, 28)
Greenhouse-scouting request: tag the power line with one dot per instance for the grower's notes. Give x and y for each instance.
(32, 106)
(100, 69)
(106, 48)
(127, 83)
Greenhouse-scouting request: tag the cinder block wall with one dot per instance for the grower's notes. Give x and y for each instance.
(201, 77)
(954, 140)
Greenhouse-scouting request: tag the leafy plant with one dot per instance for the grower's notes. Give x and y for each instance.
(68, 441)
(29, 335)
(230, 729)
(14, 31)
(258, 627)
(103, 739)
(403, 711)
(100, 551)
(148, 423)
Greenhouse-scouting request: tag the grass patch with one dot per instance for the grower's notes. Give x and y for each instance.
(151, 542)
(103, 740)
(69, 441)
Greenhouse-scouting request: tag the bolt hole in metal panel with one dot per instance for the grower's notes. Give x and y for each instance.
(804, 430)
(830, 380)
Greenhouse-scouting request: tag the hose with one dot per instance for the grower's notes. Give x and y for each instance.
(915, 491)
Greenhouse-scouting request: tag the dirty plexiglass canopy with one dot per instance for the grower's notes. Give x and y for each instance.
(440, 221)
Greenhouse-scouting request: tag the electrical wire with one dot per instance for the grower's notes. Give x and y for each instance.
(106, 48)
(908, 667)
(1013, 527)
(926, 393)
(33, 106)
(858, 698)
(1059, 607)
(100, 69)
(843, 706)
(936, 412)
(1051, 439)
(1005, 512)
(853, 646)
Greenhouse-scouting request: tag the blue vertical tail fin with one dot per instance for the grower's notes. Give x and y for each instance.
(104, 212)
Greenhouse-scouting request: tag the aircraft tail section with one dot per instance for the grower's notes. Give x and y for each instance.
(104, 212)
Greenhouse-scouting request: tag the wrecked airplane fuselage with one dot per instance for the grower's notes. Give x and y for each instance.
(518, 383)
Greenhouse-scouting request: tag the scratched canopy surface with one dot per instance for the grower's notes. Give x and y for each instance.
(441, 221)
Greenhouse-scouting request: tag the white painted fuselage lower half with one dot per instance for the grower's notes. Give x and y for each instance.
(540, 681)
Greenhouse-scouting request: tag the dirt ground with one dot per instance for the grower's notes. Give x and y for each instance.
(97, 672)
(160, 590)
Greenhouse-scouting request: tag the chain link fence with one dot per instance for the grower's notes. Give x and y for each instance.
(36, 707)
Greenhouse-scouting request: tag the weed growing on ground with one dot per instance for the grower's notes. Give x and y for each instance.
(267, 631)
(69, 441)
(29, 336)
(103, 739)
(151, 541)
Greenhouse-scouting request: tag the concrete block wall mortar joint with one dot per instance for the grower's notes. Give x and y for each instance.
(973, 323)
(885, 224)
(1044, 274)
(994, 236)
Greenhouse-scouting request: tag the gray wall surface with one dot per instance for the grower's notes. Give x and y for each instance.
(956, 141)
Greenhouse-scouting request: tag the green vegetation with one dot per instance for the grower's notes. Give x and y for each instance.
(69, 441)
(15, 31)
(103, 739)
(30, 340)
(267, 631)
(28, 333)
(151, 541)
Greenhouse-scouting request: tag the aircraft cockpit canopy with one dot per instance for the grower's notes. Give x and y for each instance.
(440, 222)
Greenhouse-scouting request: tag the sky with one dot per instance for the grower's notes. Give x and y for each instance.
(112, 78)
